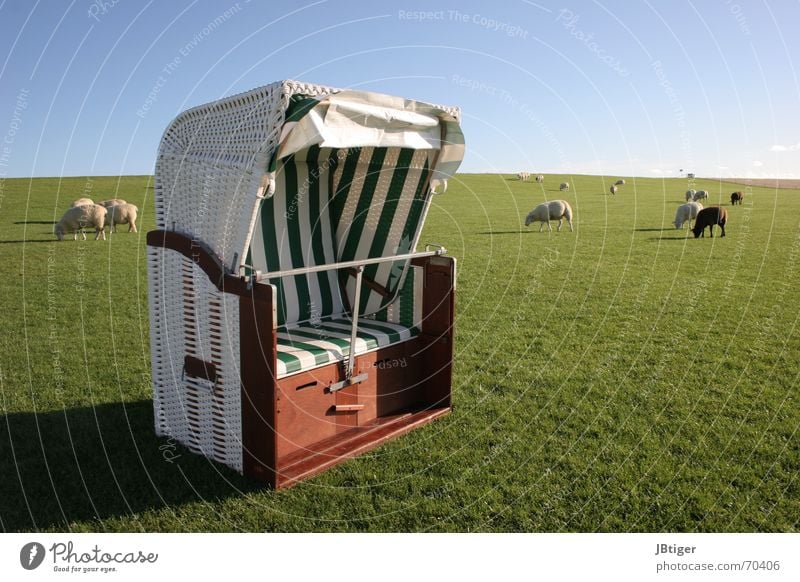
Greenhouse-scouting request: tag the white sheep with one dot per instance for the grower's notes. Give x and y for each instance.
(547, 211)
(81, 202)
(686, 213)
(524, 176)
(539, 179)
(79, 217)
(564, 187)
(613, 189)
(700, 195)
(121, 214)
(620, 182)
(690, 195)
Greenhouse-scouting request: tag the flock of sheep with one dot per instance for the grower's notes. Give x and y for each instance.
(555, 209)
(703, 217)
(524, 176)
(84, 213)
(686, 213)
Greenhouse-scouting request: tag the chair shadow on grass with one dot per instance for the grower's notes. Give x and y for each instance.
(35, 222)
(92, 463)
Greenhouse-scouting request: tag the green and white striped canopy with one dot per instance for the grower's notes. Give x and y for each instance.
(352, 179)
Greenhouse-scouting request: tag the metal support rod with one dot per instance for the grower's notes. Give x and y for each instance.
(345, 264)
(351, 358)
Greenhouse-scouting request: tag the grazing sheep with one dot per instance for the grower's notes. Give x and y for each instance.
(708, 217)
(619, 182)
(613, 189)
(686, 213)
(690, 195)
(121, 214)
(700, 195)
(81, 202)
(524, 176)
(539, 179)
(79, 217)
(564, 187)
(736, 198)
(547, 211)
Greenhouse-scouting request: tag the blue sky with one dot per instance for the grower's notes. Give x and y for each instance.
(642, 88)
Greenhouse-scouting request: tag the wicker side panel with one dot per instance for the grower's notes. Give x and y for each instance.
(166, 343)
(190, 317)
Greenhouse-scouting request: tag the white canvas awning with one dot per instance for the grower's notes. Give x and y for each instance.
(360, 119)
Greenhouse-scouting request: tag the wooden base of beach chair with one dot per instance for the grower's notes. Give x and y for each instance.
(324, 454)
(296, 426)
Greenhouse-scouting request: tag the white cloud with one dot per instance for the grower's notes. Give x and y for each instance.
(656, 171)
(783, 148)
(757, 164)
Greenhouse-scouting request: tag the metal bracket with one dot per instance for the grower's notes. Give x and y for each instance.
(233, 263)
(254, 277)
(347, 382)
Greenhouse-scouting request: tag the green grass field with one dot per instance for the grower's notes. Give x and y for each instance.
(621, 377)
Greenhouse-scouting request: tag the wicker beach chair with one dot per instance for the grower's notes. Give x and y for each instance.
(294, 324)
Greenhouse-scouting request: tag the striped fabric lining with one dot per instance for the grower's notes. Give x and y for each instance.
(377, 212)
(340, 205)
(309, 346)
(294, 230)
(407, 308)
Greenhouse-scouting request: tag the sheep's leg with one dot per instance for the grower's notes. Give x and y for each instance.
(132, 227)
(711, 230)
(541, 225)
(570, 225)
(722, 226)
(559, 226)
(549, 226)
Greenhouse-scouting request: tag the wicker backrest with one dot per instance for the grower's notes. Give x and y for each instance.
(211, 161)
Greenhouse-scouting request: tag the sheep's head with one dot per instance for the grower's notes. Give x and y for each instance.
(677, 224)
(59, 232)
(529, 219)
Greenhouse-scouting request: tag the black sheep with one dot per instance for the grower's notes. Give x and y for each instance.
(708, 217)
